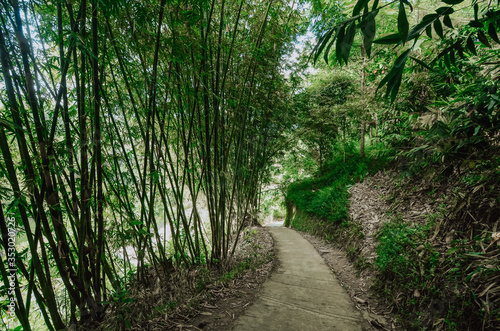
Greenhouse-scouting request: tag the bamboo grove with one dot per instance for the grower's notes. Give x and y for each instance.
(132, 133)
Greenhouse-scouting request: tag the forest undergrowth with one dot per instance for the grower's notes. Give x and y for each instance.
(430, 237)
(193, 295)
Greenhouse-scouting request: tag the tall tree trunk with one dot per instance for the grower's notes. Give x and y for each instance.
(363, 88)
(99, 219)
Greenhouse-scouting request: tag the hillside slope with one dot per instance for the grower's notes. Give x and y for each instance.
(428, 247)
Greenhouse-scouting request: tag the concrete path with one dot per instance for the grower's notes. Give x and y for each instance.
(302, 294)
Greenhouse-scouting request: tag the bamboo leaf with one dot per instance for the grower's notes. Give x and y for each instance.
(396, 68)
(338, 46)
(327, 50)
(441, 54)
(482, 38)
(428, 31)
(397, 83)
(368, 28)
(452, 2)
(438, 28)
(493, 33)
(401, 60)
(447, 62)
(475, 24)
(471, 46)
(423, 64)
(445, 10)
(406, 2)
(394, 38)
(447, 21)
(453, 59)
(322, 40)
(359, 5)
(403, 25)
(346, 47)
(322, 43)
(460, 51)
(424, 23)
(387, 77)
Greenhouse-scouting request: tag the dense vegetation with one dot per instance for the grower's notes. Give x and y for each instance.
(134, 136)
(137, 137)
(438, 128)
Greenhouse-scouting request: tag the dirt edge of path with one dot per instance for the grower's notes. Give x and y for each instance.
(223, 304)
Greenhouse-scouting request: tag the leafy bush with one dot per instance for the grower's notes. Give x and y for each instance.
(438, 289)
(407, 267)
(325, 194)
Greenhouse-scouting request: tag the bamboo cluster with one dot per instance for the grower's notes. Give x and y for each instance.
(132, 134)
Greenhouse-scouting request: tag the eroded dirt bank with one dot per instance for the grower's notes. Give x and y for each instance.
(425, 249)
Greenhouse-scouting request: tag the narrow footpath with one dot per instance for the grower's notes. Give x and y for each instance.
(302, 294)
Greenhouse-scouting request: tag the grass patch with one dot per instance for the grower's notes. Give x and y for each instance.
(325, 194)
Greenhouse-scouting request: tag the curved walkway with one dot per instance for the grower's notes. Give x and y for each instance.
(302, 294)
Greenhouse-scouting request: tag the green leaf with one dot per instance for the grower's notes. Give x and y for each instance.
(394, 88)
(460, 50)
(406, 2)
(453, 59)
(476, 24)
(322, 43)
(482, 38)
(445, 10)
(327, 50)
(368, 28)
(493, 33)
(396, 73)
(438, 28)
(471, 46)
(401, 60)
(403, 25)
(346, 47)
(491, 105)
(442, 54)
(428, 31)
(452, 2)
(387, 77)
(447, 62)
(338, 46)
(330, 44)
(476, 10)
(424, 23)
(359, 5)
(447, 21)
(394, 38)
(423, 64)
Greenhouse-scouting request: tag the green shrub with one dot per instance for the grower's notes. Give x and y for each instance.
(397, 239)
(325, 194)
